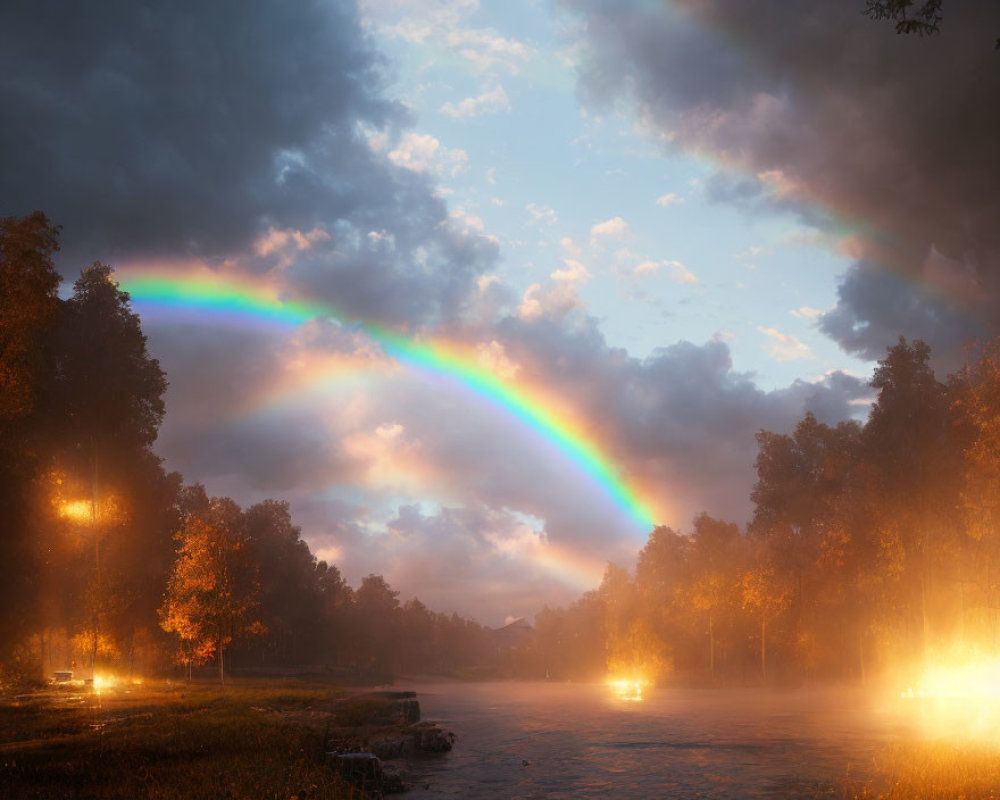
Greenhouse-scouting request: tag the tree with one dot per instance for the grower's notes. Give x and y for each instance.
(377, 620)
(29, 309)
(290, 606)
(978, 400)
(336, 606)
(105, 408)
(922, 18)
(912, 450)
(716, 558)
(765, 595)
(212, 593)
(109, 389)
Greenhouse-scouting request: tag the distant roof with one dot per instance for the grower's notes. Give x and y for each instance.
(519, 624)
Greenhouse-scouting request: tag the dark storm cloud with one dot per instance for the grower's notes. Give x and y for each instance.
(234, 135)
(682, 419)
(190, 129)
(876, 305)
(895, 135)
(162, 126)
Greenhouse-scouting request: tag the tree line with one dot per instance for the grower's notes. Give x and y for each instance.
(872, 548)
(108, 561)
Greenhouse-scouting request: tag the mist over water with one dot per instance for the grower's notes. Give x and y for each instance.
(535, 740)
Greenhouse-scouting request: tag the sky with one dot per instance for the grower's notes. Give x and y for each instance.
(616, 239)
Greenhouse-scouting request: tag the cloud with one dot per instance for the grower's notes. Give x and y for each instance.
(680, 422)
(555, 300)
(875, 306)
(677, 271)
(541, 214)
(570, 246)
(828, 115)
(471, 561)
(490, 102)
(261, 144)
(485, 50)
(444, 23)
(614, 228)
(784, 346)
(421, 152)
(806, 312)
(416, 20)
(574, 272)
(667, 200)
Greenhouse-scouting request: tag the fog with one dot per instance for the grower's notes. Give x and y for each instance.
(569, 740)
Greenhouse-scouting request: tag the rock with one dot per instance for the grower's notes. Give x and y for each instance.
(433, 738)
(424, 737)
(392, 781)
(363, 770)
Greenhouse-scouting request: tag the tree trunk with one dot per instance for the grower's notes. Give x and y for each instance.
(97, 564)
(711, 646)
(222, 674)
(763, 648)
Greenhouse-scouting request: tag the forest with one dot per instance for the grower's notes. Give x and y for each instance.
(108, 560)
(872, 547)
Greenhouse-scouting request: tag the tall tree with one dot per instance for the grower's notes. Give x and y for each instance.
(912, 449)
(717, 555)
(766, 595)
(212, 595)
(106, 398)
(978, 400)
(29, 309)
(290, 606)
(377, 620)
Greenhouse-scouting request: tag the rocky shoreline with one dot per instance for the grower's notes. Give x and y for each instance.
(375, 731)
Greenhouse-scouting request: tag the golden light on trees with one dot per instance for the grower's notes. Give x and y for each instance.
(77, 510)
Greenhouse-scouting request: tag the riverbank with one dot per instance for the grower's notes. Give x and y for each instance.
(164, 741)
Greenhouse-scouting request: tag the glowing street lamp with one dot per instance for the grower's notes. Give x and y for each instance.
(85, 512)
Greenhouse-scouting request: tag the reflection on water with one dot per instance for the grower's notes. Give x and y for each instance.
(542, 740)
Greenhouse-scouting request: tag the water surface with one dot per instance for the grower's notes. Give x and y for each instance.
(559, 740)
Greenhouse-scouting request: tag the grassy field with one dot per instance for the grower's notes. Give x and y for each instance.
(932, 771)
(169, 741)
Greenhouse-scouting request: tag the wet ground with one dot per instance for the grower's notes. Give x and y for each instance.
(544, 740)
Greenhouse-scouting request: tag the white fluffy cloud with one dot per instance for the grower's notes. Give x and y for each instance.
(784, 346)
(490, 102)
(614, 228)
(675, 269)
(667, 200)
(421, 152)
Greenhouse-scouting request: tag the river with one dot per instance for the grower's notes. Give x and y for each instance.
(556, 740)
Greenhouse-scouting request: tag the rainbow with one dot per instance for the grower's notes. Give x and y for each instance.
(241, 299)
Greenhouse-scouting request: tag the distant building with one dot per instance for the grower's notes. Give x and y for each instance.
(512, 636)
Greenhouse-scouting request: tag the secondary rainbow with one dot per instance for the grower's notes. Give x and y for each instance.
(239, 298)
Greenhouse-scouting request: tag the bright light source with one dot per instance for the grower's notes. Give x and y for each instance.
(77, 510)
(958, 700)
(629, 689)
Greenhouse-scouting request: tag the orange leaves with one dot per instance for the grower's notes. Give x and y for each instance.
(212, 590)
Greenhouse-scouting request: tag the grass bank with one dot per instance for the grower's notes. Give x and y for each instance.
(166, 742)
